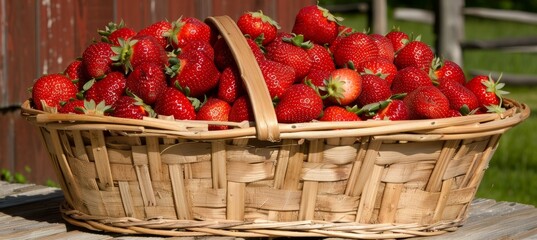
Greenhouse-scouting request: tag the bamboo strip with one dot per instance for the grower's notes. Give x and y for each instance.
(310, 188)
(441, 203)
(390, 201)
(235, 200)
(356, 166)
(218, 164)
(102, 163)
(369, 197)
(366, 168)
(126, 198)
(140, 161)
(484, 161)
(153, 155)
(179, 191)
(435, 180)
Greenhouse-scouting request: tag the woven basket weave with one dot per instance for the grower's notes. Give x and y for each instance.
(369, 179)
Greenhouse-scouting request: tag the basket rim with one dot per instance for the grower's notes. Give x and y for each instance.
(479, 124)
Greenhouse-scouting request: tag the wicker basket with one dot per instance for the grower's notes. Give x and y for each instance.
(369, 179)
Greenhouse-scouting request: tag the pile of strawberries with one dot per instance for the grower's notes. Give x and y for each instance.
(321, 70)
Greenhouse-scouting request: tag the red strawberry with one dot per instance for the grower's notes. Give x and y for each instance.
(427, 102)
(214, 110)
(241, 110)
(374, 89)
(230, 85)
(317, 77)
(446, 70)
(415, 53)
(113, 32)
(97, 59)
(131, 107)
(378, 66)
(75, 71)
(147, 81)
(488, 92)
(292, 52)
(395, 110)
(53, 89)
(187, 29)
(300, 103)
(224, 58)
(278, 77)
(107, 89)
(410, 78)
(73, 106)
(321, 58)
(258, 25)
(384, 45)
(139, 49)
(354, 49)
(317, 24)
(343, 31)
(338, 113)
(343, 86)
(174, 103)
(460, 98)
(158, 31)
(398, 38)
(201, 46)
(196, 72)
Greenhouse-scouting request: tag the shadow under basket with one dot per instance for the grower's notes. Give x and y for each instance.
(369, 179)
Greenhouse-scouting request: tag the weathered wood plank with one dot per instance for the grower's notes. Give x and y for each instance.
(77, 235)
(17, 194)
(504, 15)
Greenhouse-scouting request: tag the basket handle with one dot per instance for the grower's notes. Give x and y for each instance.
(266, 123)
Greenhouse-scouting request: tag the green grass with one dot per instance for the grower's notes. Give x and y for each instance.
(512, 172)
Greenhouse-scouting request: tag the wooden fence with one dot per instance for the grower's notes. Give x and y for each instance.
(39, 37)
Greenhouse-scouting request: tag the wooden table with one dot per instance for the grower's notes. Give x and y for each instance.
(30, 211)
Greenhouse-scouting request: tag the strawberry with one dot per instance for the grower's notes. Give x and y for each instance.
(140, 48)
(73, 106)
(317, 77)
(317, 24)
(107, 89)
(354, 49)
(292, 52)
(410, 78)
(398, 38)
(460, 98)
(321, 58)
(395, 110)
(214, 110)
(195, 72)
(174, 103)
(374, 89)
(97, 59)
(224, 58)
(427, 102)
(343, 31)
(186, 29)
(258, 26)
(75, 71)
(202, 46)
(278, 77)
(230, 85)
(343, 86)
(131, 107)
(147, 81)
(241, 110)
(446, 70)
(299, 103)
(378, 66)
(158, 31)
(113, 32)
(384, 45)
(338, 113)
(415, 53)
(52, 89)
(488, 92)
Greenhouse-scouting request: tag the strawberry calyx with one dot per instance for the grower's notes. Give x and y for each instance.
(495, 86)
(109, 29)
(329, 15)
(196, 103)
(140, 102)
(298, 40)
(92, 108)
(334, 88)
(265, 18)
(123, 54)
(172, 34)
